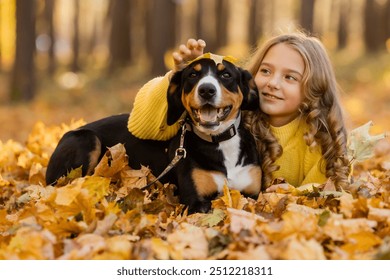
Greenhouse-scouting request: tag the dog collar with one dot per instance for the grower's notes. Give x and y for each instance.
(229, 133)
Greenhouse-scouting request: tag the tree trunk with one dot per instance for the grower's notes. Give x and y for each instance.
(307, 14)
(342, 30)
(160, 32)
(373, 28)
(75, 66)
(222, 14)
(120, 48)
(23, 74)
(49, 13)
(386, 24)
(255, 21)
(0, 42)
(206, 24)
(198, 20)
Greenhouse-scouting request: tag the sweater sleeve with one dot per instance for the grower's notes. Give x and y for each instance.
(312, 166)
(148, 119)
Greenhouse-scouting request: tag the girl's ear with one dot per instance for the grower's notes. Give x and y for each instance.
(249, 91)
(175, 106)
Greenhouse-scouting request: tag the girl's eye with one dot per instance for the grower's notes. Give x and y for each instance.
(291, 78)
(226, 75)
(264, 71)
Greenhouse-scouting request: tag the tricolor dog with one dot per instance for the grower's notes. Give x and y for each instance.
(209, 95)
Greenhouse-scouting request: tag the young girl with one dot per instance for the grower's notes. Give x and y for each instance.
(299, 128)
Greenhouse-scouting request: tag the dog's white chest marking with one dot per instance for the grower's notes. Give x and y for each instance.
(238, 176)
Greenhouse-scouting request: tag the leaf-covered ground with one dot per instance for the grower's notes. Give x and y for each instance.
(107, 216)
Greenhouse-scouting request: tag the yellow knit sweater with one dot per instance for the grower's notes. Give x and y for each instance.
(148, 119)
(298, 165)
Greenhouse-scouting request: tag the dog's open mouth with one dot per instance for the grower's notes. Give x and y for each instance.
(210, 116)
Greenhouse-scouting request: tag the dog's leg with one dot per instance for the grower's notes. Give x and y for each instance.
(196, 189)
(195, 203)
(202, 205)
(77, 148)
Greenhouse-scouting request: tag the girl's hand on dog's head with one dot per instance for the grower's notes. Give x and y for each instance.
(188, 52)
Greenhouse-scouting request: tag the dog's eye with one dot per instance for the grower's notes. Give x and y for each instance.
(193, 74)
(226, 75)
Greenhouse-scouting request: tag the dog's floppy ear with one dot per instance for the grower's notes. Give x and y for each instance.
(175, 106)
(249, 91)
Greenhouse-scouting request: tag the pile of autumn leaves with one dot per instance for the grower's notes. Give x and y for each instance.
(108, 216)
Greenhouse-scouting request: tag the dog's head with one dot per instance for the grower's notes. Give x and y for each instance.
(212, 90)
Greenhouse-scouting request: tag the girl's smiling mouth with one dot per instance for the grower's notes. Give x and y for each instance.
(271, 96)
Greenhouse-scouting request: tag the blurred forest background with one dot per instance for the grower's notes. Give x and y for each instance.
(70, 59)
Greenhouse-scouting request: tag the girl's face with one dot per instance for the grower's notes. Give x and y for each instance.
(279, 81)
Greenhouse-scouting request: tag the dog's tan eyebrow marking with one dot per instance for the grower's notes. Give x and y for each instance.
(198, 67)
(221, 67)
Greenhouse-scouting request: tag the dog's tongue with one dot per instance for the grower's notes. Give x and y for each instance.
(208, 114)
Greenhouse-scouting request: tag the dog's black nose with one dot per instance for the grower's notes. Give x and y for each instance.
(207, 91)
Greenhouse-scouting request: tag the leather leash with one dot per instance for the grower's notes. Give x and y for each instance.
(180, 153)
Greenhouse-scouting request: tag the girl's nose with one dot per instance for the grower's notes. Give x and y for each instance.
(274, 83)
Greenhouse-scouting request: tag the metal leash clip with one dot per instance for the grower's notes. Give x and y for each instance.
(181, 151)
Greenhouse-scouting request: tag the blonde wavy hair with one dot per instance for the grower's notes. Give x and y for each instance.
(320, 109)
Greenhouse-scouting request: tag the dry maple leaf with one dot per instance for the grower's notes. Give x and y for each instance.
(160, 248)
(30, 243)
(361, 241)
(361, 144)
(242, 220)
(113, 161)
(134, 178)
(3, 182)
(212, 219)
(83, 247)
(339, 229)
(230, 199)
(188, 242)
(303, 249)
(253, 253)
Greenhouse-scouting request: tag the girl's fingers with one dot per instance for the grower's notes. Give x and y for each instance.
(196, 46)
(187, 52)
(184, 50)
(192, 44)
(201, 44)
(177, 58)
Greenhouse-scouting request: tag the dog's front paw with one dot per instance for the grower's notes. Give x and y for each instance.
(200, 207)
